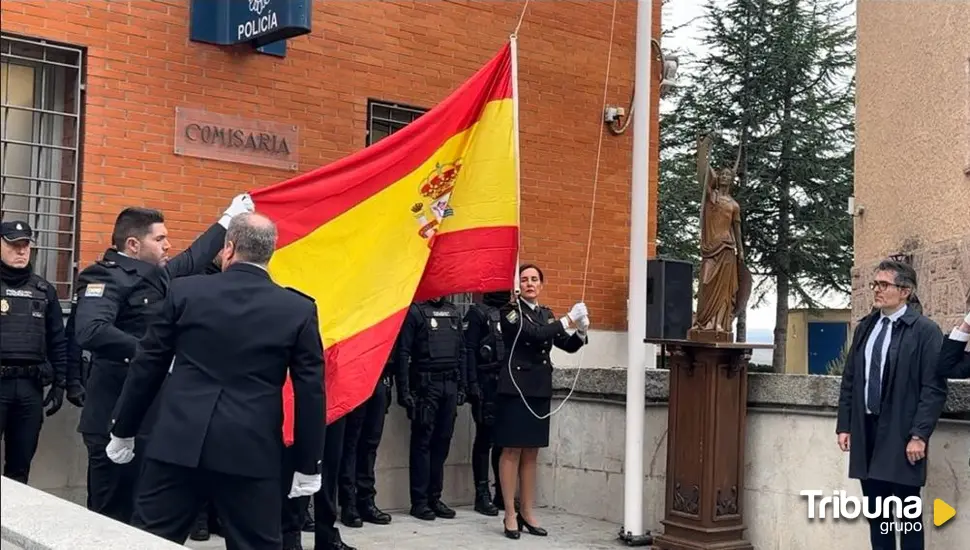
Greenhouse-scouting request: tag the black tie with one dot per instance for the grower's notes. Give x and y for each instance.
(874, 387)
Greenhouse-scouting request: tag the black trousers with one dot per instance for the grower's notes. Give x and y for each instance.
(325, 532)
(112, 487)
(882, 535)
(21, 417)
(484, 416)
(170, 496)
(294, 509)
(364, 429)
(432, 425)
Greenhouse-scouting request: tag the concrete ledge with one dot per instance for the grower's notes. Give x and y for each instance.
(31, 519)
(796, 391)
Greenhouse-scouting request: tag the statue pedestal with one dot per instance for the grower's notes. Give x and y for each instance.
(705, 445)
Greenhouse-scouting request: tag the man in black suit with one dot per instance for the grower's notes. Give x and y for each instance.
(891, 398)
(218, 431)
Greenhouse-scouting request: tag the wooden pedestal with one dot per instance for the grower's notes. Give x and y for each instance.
(705, 445)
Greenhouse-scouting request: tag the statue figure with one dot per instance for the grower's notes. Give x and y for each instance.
(724, 281)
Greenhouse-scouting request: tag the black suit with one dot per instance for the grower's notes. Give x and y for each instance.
(116, 297)
(954, 359)
(218, 431)
(911, 398)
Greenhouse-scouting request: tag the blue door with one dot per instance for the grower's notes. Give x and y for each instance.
(825, 342)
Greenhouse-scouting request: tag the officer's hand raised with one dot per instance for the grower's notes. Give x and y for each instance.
(578, 311)
(54, 398)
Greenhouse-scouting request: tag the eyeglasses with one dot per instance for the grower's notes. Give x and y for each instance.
(882, 286)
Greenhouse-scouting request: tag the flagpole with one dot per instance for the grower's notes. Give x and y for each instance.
(513, 39)
(637, 351)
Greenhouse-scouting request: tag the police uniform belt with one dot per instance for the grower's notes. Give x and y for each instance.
(19, 371)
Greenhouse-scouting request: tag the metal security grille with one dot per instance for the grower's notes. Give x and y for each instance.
(383, 118)
(40, 129)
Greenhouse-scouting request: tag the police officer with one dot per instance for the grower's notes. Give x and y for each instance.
(356, 490)
(485, 354)
(117, 296)
(431, 385)
(33, 350)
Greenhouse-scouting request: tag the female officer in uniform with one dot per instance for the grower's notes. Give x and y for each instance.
(525, 392)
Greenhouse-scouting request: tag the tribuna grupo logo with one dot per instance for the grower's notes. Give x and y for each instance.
(898, 514)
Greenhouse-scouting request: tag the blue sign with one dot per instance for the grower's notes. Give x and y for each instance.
(265, 24)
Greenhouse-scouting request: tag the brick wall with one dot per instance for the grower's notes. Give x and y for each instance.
(141, 66)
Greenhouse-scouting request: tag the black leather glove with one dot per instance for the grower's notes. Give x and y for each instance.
(54, 398)
(461, 396)
(46, 375)
(76, 395)
(474, 394)
(406, 400)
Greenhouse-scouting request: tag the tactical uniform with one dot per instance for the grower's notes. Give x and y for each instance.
(117, 296)
(32, 356)
(356, 490)
(485, 354)
(431, 385)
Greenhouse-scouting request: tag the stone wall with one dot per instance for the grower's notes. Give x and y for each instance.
(943, 276)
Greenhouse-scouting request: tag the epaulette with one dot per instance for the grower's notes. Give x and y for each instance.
(307, 296)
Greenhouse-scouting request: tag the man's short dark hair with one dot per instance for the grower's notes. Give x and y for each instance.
(523, 267)
(905, 274)
(253, 236)
(134, 222)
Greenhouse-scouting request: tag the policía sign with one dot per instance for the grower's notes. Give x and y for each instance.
(258, 22)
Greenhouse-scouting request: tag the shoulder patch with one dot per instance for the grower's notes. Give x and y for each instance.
(42, 285)
(307, 296)
(94, 290)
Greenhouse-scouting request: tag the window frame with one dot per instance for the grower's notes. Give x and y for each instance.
(74, 88)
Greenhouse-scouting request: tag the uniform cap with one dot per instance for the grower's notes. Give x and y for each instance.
(14, 231)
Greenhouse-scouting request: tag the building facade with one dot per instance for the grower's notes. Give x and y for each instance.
(99, 99)
(912, 180)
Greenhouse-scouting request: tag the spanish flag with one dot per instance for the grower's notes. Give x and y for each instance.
(428, 211)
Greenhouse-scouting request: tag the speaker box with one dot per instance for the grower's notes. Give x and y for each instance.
(670, 292)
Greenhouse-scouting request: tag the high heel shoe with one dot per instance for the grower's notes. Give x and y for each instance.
(509, 533)
(532, 530)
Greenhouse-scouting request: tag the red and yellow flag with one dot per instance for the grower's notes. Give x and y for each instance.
(427, 211)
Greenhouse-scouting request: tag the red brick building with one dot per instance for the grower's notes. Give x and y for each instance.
(91, 89)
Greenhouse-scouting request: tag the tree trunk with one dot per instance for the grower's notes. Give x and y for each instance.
(783, 259)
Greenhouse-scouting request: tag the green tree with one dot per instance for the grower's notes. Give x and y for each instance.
(777, 80)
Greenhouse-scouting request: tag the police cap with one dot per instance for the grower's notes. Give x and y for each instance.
(14, 231)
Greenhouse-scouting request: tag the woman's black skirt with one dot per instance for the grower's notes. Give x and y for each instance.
(516, 427)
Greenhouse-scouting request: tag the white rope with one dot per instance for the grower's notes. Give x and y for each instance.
(589, 238)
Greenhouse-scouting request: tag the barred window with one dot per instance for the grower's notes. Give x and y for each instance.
(40, 127)
(384, 118)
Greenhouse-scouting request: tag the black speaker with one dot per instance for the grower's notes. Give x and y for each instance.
(670, 292)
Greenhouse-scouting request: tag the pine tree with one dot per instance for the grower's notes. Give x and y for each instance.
(778, 82)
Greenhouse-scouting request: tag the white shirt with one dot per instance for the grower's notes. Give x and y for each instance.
(960, 336)
(871, 342)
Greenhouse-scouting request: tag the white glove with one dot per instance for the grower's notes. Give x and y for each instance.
(578, 311)
(240, 204)
(583, 324)
(120, 449)
(305, 485)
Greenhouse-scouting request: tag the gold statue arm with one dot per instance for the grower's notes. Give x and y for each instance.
(736, 229)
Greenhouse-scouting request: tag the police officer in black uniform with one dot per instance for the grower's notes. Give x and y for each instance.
(117, 296)
(356, 490)
(431, 384)
(33, 350)
(485, 354)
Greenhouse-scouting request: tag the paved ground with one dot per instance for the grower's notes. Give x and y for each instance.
(469, 531)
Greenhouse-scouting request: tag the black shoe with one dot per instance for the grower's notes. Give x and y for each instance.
(423, 512)
(200, 531)
(370, 513)
(483, 504)
(350, 517)
(341, 545)
(442, 510)
(511, 533)
(537, 531)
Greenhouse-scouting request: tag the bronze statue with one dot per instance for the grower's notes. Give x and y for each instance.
(724, 280)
